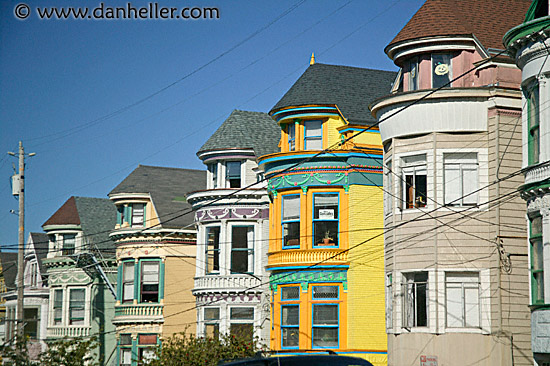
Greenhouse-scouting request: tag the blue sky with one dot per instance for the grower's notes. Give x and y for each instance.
(69, 89)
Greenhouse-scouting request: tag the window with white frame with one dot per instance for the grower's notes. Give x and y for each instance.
(462, 300)
(138, 214)
(128, 278)
(441, 69)
(57, 307)
(461, 179)
(32, 319)
(212, 251)
(125, 346)
(69, 242)
(313, 135)
(213, 171)
(415, 299)
(414, 181)
(536, 259)
(389, 301)
(242, 249)
(325, 219)
(149, 291)
(291, 132)
(291, 221)
(413, 74)
(389, 187)
(242, 322)
(233, 174)
(533, 121)
(212, 322)
(77, 306)
(34, 274)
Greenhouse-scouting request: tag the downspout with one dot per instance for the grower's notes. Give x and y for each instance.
(436, 265)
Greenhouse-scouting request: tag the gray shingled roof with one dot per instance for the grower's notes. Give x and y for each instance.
(245, 130)
(9, 268)
(168, 188)
(352, 89)
(97, 219)
(40, 242)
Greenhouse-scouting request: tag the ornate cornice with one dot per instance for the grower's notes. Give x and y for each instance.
(227, 213)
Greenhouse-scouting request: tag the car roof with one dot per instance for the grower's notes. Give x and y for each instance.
(309, 360)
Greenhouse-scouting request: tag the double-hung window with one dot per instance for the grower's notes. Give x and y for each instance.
(414, 181)
(57, 306)
(213, 172)
(533, 119)
(441, 69)
(212, 249)
(290, 317)
(120, 213)
(128, 277)
(242, 249)
(413, 74)
(212, 322)
(537, 260)
(34, 274)
(242, 322)
(138, 214)
(461, 179)
(291, 221)
(389, 191)
(462, 300)
(415, 304)
(313, 135)
(325, 325)
(69, 241)
(149, 290)
(146, 347)
(291, 131)
(125, 344)
(77, 305)
(325, 219)
(233, 174)
(31, 316)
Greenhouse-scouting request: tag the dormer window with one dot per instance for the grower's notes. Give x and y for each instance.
(413, 74)
(138, 214)
(291, 130)
(213, 172)
(441, 69)
(233, 174)
(313, 136)
(68, 244)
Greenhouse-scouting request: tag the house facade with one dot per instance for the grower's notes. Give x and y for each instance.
(155, 252)
(528, 44)
(81, 271)
(232, 218)
(455, 258)
(325, 232)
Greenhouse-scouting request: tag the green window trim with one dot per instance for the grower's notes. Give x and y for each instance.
(536, 259)
(138, 281)
(533, 123)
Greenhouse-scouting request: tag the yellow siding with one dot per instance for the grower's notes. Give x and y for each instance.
(330, 130)
(366, 305)
(368, 138)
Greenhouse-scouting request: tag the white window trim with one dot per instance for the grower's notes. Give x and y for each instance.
(66, 310)
(483, 178)
(389, 183)
(398, 169)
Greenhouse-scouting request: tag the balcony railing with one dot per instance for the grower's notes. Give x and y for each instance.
(70, 331)
(291, 257)
(220, 283)
(537, 174)
(137, 312)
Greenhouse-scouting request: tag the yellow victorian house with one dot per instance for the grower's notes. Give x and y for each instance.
(326, 246)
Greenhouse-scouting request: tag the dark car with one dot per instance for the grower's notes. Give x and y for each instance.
(309, 360)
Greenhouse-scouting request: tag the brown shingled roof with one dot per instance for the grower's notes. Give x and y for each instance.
(487, 20)
(66, 215)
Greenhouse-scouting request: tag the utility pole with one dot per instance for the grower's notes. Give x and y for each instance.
(20, 254)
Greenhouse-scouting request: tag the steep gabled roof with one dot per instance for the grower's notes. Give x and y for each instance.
(349, 88)
(168, 188)
(65, 215)
(245, 130)
(9, 268)
(40, 243)
(487, 20)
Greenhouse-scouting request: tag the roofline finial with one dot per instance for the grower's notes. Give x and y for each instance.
(312, 60)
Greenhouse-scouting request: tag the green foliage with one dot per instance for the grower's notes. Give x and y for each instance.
(15, 355)
(182, 350)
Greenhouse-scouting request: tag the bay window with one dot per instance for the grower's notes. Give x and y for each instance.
(138, 214)
(212, 322)
(57, 306)
(537, 260)
(149, 281)
(441, 69)
(31, 317)
(242, 249)
(242, 323)
(533, 119)
(291, 221)
(462, 300)
(212, 249)
(125, 346)
(146, 347)
(291, 132)
(325, 326)
(414, 181)
(69, 241)
(290, 326)
(415, 300)
(461, 179)
(313, 135)
(413, 74)
(325, 219)
(77, 302)
(213, 172)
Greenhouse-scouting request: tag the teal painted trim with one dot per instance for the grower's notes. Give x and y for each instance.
(304, 109)
(326, 179)
(118, 216)
(321, 156)
(308, 267)
(306, 115)
(119, 281)
(161, 280)
(134, 352)
(337, 276)
(137, 280)
(525, 29)
(359, 130)
(145, 215)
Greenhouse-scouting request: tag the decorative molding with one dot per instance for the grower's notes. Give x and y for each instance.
(539, 203)
(214, 214)
(232, 297)
(307, 277)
